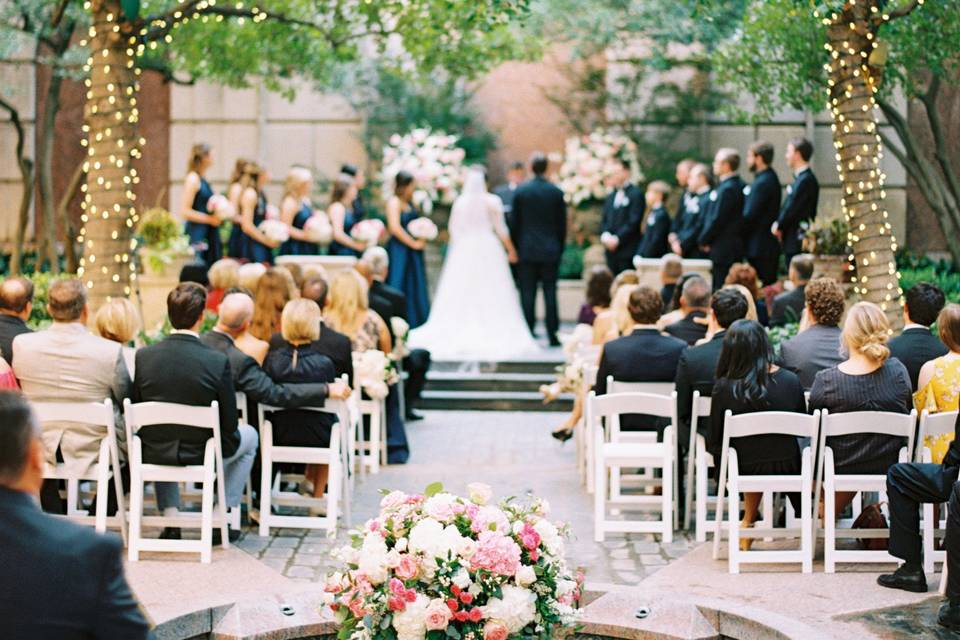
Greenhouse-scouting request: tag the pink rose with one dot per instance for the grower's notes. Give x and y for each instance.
(494, 631)
(408, 568)
(529, 537)
(393, 500)
(437, 615)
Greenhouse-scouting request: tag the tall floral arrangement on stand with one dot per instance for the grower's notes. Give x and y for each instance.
(437, 566)
(589, 160)
(435, 161)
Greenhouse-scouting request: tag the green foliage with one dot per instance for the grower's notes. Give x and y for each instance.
(826, 237)
(778, 335)
(915, 269)
(161, 331)
(158, 228)
(571, 261)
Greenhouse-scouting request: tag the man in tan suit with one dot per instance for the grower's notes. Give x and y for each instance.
(66, 363)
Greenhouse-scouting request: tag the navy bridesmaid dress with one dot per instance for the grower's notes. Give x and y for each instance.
(408, 273)
(351, 217)
(300, 247)
(204, 238)
(254, 251)
(235, 241)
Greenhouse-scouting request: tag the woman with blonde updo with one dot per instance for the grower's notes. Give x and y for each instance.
(868, 380)
(118, 321)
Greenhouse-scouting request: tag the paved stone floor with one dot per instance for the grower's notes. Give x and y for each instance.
(512, 452)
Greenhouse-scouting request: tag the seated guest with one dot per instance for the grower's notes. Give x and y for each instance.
(671, 270)
(746, 276)
(7, 379)
(16, 305)
(298, 361)
(377, 303)
(182, 370)
(656, 224)
(224, 274)
(677, 313)
(249, 274)
(695, 304)
(118, 321)
(868, 380)
(916, 346)
(61, 580)
(615, 321)
(331, 343)
(939, 379)
(66, 363)
(273, 292)
(748, 381)
(605, 324)
(598, 294)
(788, 306)
(817, 346)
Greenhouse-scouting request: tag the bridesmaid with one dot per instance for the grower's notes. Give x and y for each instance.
(201, 226)
(234, 191)
(407, 269)
(295, 210)
(253, 210)
(343, 216)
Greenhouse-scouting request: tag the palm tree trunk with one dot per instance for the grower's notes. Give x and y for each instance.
(47, 248)
(26, 178)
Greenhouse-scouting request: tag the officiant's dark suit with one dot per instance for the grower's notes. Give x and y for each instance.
(800, 206)
(760, 210)
(539, 232)
(694, 207)
(723, 228)
(622, 217)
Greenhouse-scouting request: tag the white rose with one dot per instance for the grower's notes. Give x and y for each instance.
(373, 558)
(461, 578)
(466, 548)
(411, 624)
(440, 507)
(479, 492)
(515, 609)
(401, 545)
(526, 576)
(549, 536)
(424, 535)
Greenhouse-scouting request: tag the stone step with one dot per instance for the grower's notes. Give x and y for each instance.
(542, 366)
(455, 381)
(492, 401)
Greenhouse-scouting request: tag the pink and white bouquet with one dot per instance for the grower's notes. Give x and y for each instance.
(432, 157)
(219, 206)
(423, 228)
(318, 228)
(374, 372)
(570, 374)
(590, 160)
(272, 213)
(401, 332)
(443, 566)
(275, 230)
(368, 232)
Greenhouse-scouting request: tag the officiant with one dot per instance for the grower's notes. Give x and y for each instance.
(622, 217)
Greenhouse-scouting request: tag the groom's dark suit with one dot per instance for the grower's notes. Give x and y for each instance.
(539, 231)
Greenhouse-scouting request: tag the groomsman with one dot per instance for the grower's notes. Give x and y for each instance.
(760, 211)
(683, 177)
(802, 196)
(622, 217)
(656, 226)
(506, 191)
(722, 235)
(696, 206)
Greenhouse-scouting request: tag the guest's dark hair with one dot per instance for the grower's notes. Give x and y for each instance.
(19, 428)
(403, 180)
(66, 300)
(349, 169)
(185, 305)
(803, 264)
(745, 360)
(824, 299)
(803, 147)
(516, 165)
(763, 150)
(538, 163)
(598, 286)
(315, 288)
(15, 294)
(729, 305)
(341, 186)
(645, 305)
(924, 302)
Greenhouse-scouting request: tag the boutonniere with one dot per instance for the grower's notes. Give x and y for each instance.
(789, 189)
(746, 190)
(713, 196)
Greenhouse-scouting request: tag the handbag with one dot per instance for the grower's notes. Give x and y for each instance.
(871, 518)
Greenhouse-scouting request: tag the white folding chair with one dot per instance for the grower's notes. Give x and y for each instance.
(336, 456)
(615, 453)
(745, 425)
(584, 433)
(209, 474)
(842, 424)
(933, 425)
(699, 463)
(108, 462)
(372, 451)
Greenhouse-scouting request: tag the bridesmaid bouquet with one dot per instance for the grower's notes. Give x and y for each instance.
(318, 228)
(368, 232)
(590, 160)
(423, 228)
(272, 213)
(219, 206)
(374, 372)
(275, 230)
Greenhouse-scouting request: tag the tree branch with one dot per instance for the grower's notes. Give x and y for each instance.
(941, 153)
(904, 10)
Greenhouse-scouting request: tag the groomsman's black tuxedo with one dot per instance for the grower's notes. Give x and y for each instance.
(417, 362)
(539, 233)
(655, 242)
(622, 217)
(760, 210)
(915, 347)
(723, 228)
(799, 206)
(694, 207)
(60, 580)
(183, 370)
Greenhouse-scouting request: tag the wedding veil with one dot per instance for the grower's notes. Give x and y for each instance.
(473, 212)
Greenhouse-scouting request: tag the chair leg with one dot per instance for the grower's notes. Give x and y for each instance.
(599, 499)
(118, 488)
(734, 528)
(829, 527)
(383, 436)
(668, 512)
(928, 538)
(701, 502)
(266, 491)
(136, 513)
(103, 493)
(206, 514)
(333, 494)
(767, 522)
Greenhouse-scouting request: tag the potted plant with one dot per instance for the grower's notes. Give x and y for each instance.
(164, 248)
(827, 241)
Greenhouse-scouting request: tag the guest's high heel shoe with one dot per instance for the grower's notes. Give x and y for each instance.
(562, 434)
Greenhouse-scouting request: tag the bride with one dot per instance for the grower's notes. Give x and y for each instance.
(476, 312)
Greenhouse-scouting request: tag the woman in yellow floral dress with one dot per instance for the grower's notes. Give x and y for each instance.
(939, 381)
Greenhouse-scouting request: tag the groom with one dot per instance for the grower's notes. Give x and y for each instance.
(539, 230)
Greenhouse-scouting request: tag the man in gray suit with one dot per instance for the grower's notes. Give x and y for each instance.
(817, 346)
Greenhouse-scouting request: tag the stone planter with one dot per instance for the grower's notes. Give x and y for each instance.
(152, 266)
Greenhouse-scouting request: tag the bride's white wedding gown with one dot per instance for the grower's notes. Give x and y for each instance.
(475, 315)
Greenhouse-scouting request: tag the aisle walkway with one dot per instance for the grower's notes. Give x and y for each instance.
(512, 452)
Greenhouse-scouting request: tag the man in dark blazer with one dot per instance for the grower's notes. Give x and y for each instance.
(722, 235)
(817, 347)
(694, 206)
(916, 345)
(183, 370)
(622, 218)
(655, 242)
(760, 210)
(788, 306)
(539, 232)
(802, 197)
(695, 304)
(61, 581)
(16, 303)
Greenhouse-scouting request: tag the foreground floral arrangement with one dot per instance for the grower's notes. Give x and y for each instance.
(434, 160)
(589, 160)
(440, 566)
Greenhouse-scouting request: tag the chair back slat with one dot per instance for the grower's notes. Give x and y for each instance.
(785, 423)
(144, 414)
(700, 408)
(869, 422)
(590, 374)
(617, 404)
(658, 388)
(933, 425)
(242, 407)
(96, 413)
